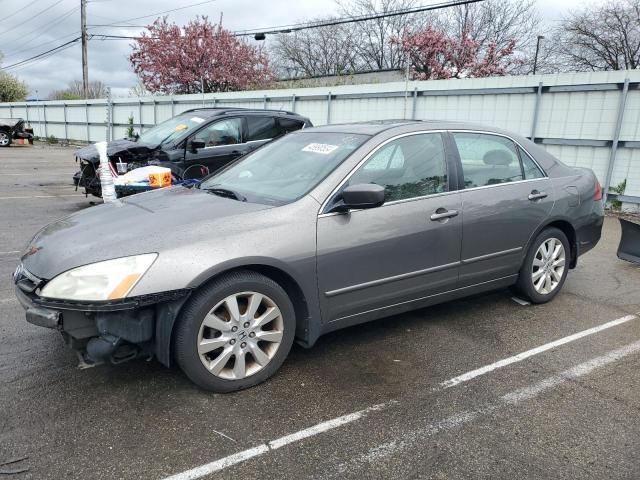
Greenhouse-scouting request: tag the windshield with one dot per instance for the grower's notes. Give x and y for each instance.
(284, 170)
(171, 129)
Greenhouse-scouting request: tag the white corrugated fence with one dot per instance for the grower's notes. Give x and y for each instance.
(585, 119)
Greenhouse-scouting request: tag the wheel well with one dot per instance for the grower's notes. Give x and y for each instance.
(290, 286)
(570, 232)
(164, 345)
(286, 282)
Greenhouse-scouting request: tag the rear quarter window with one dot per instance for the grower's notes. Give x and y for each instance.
(531, 170)
(287, 125)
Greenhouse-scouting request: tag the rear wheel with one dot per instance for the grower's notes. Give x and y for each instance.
(235, 333)
(545, 267)
(5, 139)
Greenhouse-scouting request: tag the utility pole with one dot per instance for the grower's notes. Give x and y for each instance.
(535, 59)
(83, 28)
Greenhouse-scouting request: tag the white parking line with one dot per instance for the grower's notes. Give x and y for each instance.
(417, 437)
(530, 353)
(43, 196)
(9, 252)
(455, 420)
(240, 457)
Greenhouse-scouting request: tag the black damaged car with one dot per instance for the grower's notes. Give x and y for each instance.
(12, 129)
(192, 144)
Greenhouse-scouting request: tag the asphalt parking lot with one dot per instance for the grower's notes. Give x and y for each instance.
(437, 393)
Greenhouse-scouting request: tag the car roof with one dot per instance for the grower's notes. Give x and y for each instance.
(215, 111)
(377, 126)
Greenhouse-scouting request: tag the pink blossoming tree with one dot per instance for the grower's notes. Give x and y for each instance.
(435, 55)
(172, 59)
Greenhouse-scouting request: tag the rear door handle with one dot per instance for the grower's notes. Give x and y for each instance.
(536, 195)
(441, 214)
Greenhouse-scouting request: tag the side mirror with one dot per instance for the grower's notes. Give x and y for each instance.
(364, 195)
(193, 146)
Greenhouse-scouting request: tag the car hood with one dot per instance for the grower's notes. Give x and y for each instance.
(122, 147)
(148, 222)
(12, 123)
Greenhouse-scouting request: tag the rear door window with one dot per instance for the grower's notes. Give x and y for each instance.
(487, 159)
(261, 128)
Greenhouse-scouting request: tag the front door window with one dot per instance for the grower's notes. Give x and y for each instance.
(409, 167)
(223, 132)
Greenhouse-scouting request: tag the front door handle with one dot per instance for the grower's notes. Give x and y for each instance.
(536, 195)
(442, 214)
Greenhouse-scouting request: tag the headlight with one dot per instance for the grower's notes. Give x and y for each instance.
(108, 280)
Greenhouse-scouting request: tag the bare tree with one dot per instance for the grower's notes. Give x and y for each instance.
(605, 37)
(376, 47)
(75, 91)
(499, 22)
(373, 44)
(138, 90)
(328, 50)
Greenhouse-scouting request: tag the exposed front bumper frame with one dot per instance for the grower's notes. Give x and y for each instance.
(166, 307)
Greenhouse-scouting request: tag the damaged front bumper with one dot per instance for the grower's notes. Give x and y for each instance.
(113, 331)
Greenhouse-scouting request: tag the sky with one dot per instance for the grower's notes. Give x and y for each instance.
(31, 27)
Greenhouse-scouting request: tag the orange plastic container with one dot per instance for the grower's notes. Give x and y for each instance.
(160, 179)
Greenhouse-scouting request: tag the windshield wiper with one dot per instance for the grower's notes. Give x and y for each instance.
(225, 192)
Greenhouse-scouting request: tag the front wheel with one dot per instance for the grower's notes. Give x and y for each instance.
(545, 267)
(5, 139)
(235, 333)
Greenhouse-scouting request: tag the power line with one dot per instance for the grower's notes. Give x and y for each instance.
(270, 30)
(60, 47)
(154, 14)
(42, 44)
(52, 50)
(39, 32)
(309, 25)
(344, 20)
(38, 60)
(31, 17)
(21, 9)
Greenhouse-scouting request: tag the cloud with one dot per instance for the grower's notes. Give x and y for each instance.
(26, 33)
(23, 36)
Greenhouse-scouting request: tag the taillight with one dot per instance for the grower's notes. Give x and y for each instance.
(598, 195)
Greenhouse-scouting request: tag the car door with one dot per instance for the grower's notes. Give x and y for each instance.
(505, 196)
(214, 146)
(409, 248)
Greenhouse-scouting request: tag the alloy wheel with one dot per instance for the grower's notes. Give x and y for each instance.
(4, 139)
(548, 266)
(240, 335)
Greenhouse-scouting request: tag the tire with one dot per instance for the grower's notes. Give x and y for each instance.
(5, 139)
(532, 279)
(227, 345)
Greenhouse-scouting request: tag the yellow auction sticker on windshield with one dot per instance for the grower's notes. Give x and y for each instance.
(181, 126)
(323, 148)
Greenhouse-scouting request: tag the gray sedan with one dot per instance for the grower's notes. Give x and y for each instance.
(325, 228)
